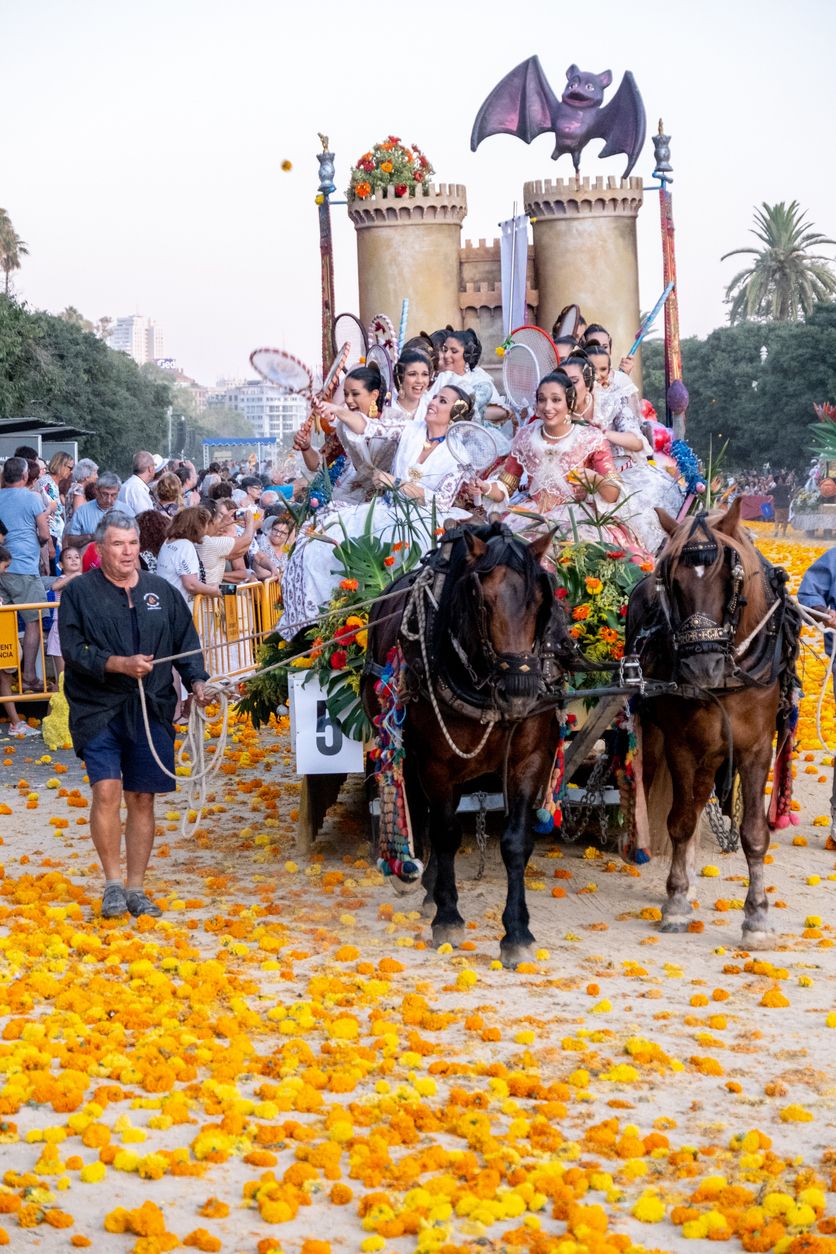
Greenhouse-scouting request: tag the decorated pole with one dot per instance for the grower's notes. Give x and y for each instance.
(326, 248)
(676, 394)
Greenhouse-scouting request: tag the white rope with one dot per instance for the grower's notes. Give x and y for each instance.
(192, 751)
(741, 648)
(416, 601)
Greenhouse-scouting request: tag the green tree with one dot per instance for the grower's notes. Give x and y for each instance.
(787, 279)
(12, 248)
(54, 369)
(761, 403)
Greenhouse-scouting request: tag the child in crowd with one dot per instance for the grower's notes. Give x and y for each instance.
(70, 569)
(17, 725)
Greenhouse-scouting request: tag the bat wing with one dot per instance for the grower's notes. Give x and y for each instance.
(522, 104)
(622, 123)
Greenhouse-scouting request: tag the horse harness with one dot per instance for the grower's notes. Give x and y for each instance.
(537, 674)
(767, 652)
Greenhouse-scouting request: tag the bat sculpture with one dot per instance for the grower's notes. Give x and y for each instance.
(523, 104)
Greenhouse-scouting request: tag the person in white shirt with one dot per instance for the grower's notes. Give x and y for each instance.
(222, 543)
(135, 491)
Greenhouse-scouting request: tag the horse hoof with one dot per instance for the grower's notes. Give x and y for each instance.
(428, 906)
(512, 955)
(674, 923)
(757, 939)
(403, 888)
(448, 934)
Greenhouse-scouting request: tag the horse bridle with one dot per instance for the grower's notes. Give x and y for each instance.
(699, 633)
(519, 673)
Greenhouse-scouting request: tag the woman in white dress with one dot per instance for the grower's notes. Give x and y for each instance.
(343, 455)
(566, 464)
(609, 406)
(425, 479)
(413, 374)
(459, 363)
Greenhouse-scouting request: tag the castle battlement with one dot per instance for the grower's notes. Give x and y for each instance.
(434, 203)
(483, 251)
(562, 198)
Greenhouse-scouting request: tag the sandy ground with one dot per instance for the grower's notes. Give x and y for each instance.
(291, 1015)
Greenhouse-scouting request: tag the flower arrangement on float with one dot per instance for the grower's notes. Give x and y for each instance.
(334, 649)
(594, 582)
(389, 164)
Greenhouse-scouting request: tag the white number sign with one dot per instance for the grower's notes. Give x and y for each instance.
(321, 746)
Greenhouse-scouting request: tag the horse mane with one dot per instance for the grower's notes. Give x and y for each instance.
(754, 583)
(504, 549)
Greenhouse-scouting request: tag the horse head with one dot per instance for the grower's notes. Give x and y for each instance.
(710, 590)
(505, 605)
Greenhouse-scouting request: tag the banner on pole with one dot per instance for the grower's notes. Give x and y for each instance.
(513, 256)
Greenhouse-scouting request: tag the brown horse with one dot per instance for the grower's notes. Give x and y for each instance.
(714, 619)
(483, 638)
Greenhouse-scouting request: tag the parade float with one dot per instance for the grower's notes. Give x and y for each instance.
(814, 507)
(573, 246)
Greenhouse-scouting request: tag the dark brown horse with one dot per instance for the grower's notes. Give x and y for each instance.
(714, 619)
(483, 638)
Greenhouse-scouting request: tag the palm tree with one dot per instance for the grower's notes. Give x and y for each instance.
(786, 279)
(12, 247)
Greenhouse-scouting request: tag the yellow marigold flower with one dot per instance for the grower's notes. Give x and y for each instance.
(649, 1209)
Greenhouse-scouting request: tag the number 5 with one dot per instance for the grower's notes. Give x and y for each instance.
(329, 737)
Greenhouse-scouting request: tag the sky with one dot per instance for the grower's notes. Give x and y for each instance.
(143, 142)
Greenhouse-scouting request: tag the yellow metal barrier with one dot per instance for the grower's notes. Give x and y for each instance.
(231, 629)
(11, 651)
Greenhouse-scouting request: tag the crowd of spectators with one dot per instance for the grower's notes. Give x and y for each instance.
(760, 482)
(204, 532)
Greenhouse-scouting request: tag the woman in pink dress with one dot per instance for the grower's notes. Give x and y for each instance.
(572, 480)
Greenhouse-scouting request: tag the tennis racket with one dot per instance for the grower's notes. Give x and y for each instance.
(521, 375)
(379, 356)
(283, 370)
(382, 332)
(476, 449)
(568, 322)
(331, 380)
(346, 328)
(541, 345)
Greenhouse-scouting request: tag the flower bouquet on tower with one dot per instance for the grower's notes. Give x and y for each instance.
(389, 164)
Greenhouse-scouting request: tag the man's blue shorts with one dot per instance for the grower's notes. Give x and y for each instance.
(121, 751)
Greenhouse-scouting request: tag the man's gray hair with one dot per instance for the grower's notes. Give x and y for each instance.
(108, 479)
(84, 469)
(142, 461)
(114, 518)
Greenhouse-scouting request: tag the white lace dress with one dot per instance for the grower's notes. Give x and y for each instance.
(312, 571)
(645, 485)
(476, 383)
(549, 465)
